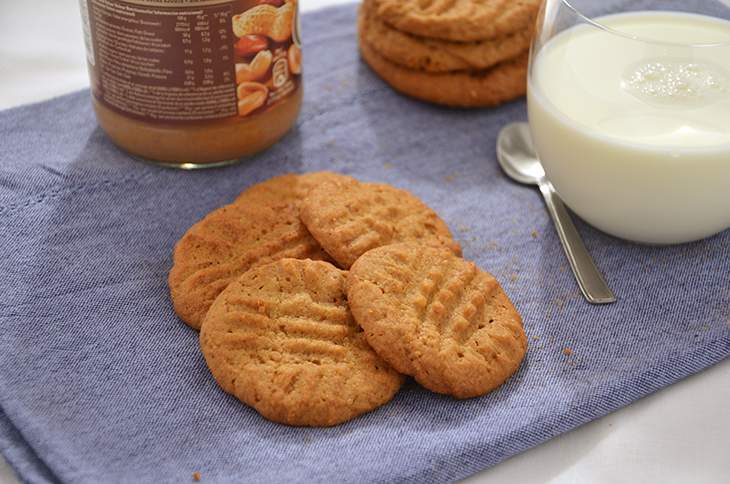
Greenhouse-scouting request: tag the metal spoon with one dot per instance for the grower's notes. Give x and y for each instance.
(517, 158)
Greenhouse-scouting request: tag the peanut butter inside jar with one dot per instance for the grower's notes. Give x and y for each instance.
(194, 85)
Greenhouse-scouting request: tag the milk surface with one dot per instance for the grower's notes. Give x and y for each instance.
(635, 135)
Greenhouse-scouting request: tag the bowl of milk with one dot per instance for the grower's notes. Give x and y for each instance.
(630, 116)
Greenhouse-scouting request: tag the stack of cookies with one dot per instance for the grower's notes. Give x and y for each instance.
(314, 294)
(463, 53)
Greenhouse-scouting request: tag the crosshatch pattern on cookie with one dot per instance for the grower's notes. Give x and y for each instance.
(348, 219)
(261, 226)
(458, 20)
(434, 55)
(227, 243)
(289, 188)
(281, 339)
(437, 317)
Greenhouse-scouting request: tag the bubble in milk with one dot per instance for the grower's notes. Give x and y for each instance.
(677, 83)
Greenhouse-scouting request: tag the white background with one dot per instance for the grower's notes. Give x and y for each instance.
(679, 435)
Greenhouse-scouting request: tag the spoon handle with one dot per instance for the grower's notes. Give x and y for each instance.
(590, 280)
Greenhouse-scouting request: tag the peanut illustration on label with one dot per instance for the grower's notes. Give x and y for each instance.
(267, 53)
(265, 19)
(251, 45)
(256, 70)
(251, 96)
(295, 59)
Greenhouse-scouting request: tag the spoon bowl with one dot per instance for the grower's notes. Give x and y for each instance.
(516, 154)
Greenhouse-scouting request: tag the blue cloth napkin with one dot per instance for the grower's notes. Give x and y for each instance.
(100, 382)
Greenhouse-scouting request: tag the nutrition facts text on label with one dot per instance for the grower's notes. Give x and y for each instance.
(142, 71)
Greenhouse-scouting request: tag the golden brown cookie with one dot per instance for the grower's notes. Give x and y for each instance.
(263, 225)
(348, 219)
(503, 82)
(459, 20)
(289, 188)
(437, 317)
(281, 339)
(432, 55)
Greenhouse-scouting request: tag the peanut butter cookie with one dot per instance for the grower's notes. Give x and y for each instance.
(433, 55)
(263, 225)
(289, 188)
(504, 82)
(281, 339)
(459, 20)
(437, 317)
(350, 218)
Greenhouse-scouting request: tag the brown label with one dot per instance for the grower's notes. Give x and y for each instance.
(192, 61)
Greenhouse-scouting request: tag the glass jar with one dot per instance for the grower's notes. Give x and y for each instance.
(194, 83)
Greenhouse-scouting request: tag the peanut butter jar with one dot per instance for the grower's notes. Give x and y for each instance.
(194, 84)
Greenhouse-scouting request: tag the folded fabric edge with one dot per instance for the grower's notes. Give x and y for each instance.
(21, 456)
(475, 458)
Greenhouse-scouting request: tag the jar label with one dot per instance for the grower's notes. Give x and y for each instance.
(178, 61)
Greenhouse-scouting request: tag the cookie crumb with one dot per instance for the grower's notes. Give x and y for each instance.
(463, 228)
(513, 277)
(196, 476)
(491, 246)
(449, 178)
(388, 166)
(536, 338)
(534, 234)
(567, 351)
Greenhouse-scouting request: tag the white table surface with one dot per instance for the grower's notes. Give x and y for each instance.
(678, 435)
